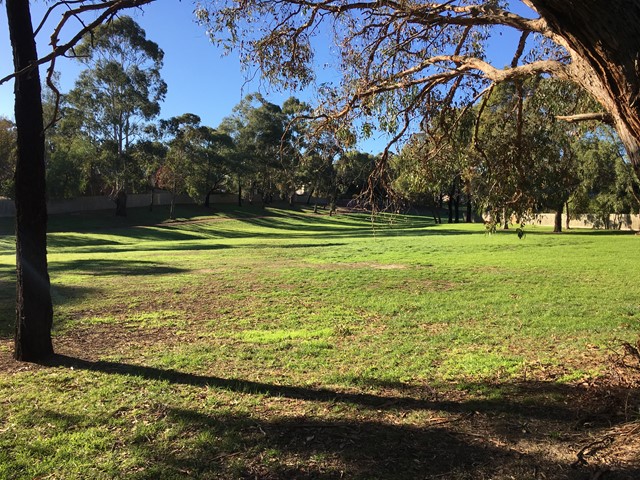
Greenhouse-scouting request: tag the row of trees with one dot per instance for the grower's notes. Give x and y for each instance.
(507, 155)
(107, 138)
(485, 159)
(510, 156)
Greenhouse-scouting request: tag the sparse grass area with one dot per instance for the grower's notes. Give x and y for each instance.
(251, 343)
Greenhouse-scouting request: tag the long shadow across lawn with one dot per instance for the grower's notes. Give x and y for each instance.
(202, 236)
(237, 446)
(361, 448)
(102, 267)
(529, 408)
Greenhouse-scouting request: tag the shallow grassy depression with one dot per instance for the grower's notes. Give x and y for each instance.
(284, 344)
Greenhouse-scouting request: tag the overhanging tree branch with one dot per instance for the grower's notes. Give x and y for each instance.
(586, 117)
(109, 9)
(389, 50)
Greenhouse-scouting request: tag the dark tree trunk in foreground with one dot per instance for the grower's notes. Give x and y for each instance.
(34, 310)
(456, 204)
(557, 221)
(121, 203)
(172, 206)
(603, 39)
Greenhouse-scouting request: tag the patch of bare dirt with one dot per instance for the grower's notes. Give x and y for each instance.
(95, 342)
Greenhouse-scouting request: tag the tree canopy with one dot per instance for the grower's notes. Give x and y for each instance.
(404, 61)
(120, 89)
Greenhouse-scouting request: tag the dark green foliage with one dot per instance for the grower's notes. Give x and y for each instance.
(118, 92)
(7, 157)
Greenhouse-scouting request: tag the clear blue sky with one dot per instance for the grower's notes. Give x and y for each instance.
(200, 80)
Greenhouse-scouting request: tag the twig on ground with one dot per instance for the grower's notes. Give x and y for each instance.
(592, 449)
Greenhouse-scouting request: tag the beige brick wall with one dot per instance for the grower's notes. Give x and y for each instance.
(87, 204)
(616, 221)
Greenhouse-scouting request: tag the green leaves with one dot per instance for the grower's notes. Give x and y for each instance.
(118, 92)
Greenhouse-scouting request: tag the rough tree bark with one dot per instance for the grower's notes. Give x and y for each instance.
(603, 39)
(34, 310)
(557, 219)
(120, 200)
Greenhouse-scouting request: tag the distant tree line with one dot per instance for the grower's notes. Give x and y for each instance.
(508, 157)
(107, 138)
(505, 157)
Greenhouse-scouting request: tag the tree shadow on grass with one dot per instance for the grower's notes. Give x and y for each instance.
(531, 405)
(60, 240)
(102, 267)
(304, 448)
(140, 233)
(186, 247)
(237, 446)
(308, 446)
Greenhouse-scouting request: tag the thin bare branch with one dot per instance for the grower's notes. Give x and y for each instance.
(586, 117)
(109, 9)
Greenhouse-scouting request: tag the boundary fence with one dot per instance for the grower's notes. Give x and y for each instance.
(87, 204)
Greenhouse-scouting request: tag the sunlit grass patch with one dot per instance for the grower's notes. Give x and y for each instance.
(480, 366)
(274, 336)
(158, 318)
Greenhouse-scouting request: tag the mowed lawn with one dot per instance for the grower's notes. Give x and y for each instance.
(252, 343)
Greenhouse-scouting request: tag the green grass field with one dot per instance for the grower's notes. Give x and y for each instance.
(283, 344)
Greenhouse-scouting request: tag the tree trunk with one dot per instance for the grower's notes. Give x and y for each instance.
(252, 192)
(172, 207)
(603, 39)
(239, 193)
(469, 217)
(207, 199)
(333, 198)
(439, 208)
(456, 204)
(34, 310)
(557, 222)
(121, 203)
